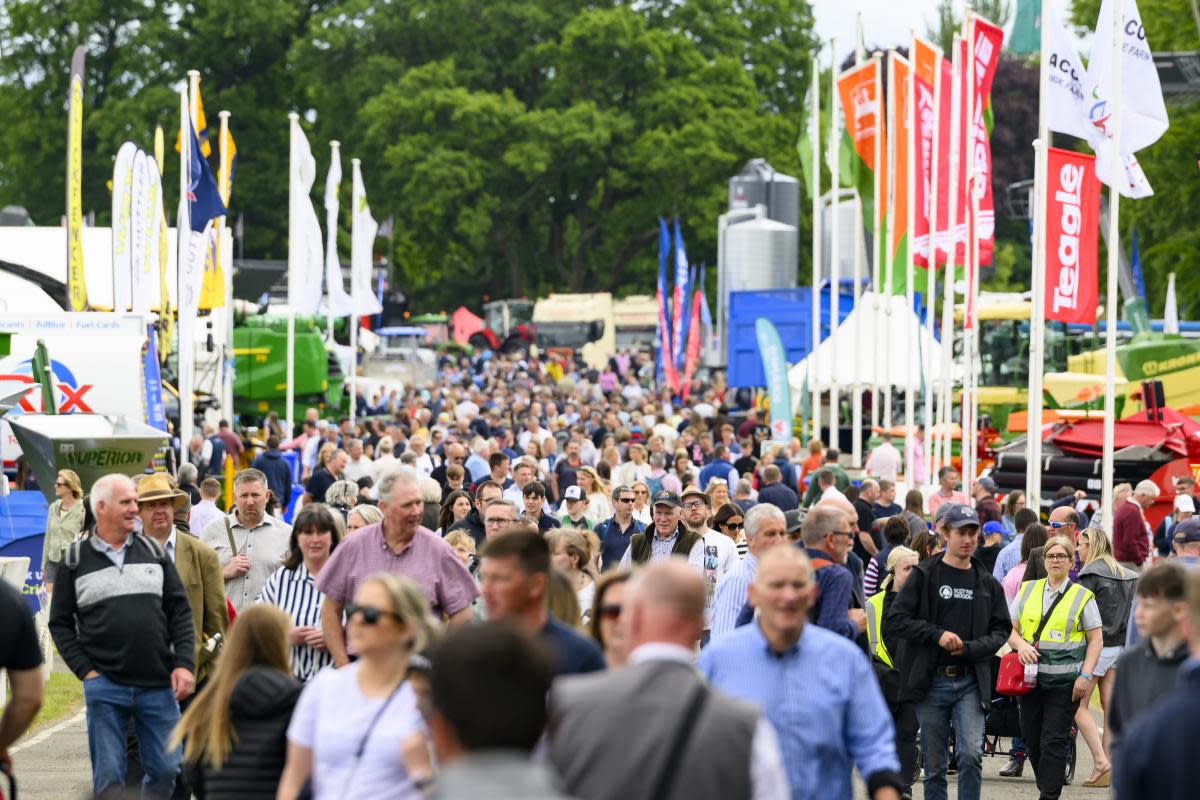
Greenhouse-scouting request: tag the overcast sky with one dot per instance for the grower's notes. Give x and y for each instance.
(886, 23)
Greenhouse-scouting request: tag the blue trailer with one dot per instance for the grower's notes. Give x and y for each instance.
(791, 312)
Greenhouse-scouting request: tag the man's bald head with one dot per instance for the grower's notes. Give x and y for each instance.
(666, 604)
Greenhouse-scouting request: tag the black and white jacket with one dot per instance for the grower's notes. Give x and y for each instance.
(131, 624)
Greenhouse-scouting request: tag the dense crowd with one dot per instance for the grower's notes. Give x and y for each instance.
(531, 579)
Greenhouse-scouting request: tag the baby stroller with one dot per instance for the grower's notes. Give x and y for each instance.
(1004, 720)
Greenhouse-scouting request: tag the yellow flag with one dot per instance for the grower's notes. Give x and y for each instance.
(201, 126)
(76, 283)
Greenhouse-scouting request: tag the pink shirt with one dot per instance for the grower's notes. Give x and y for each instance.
(426, 560)
(937, 498)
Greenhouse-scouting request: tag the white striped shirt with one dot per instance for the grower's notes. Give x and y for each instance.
(295, 591)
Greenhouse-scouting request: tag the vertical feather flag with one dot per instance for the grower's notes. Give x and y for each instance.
(898, 175)
(692, 359)
(679, 300)
(666, 366)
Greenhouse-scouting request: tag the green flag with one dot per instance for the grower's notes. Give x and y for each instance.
(1026, 37)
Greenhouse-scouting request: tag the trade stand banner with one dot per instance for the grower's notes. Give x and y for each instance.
(1072, 228)
(774, 358)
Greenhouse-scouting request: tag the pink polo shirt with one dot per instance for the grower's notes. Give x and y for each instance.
(426, 560)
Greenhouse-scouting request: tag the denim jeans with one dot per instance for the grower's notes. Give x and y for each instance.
(947, 697)
(110, 705)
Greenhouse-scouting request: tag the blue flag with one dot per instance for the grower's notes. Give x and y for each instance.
(1136, 264)
(679, 299)
(663, 340)
(204, 200)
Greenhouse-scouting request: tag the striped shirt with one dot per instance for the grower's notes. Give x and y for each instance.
(425, 559)
(295, 592)
(822, 698)
(731, 596)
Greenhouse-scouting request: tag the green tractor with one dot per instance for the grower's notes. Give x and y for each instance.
(260, 368)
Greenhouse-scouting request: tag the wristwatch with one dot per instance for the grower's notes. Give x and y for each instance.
(1087, 675)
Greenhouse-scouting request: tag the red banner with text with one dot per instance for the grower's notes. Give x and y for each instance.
(1072, 228)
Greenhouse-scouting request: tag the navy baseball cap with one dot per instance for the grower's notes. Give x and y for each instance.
(942, 510)
(1188, 530)
(794, 519)
(961, 516)
(988, 484)
(665, 498)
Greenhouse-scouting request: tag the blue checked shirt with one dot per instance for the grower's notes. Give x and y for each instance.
(821, 697)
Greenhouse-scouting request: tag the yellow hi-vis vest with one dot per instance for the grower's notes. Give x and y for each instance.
(875, 628)
(1063, 644)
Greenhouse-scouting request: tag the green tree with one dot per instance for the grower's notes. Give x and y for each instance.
(946, 21)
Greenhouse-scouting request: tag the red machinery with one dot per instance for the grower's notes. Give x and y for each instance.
(1156, 443)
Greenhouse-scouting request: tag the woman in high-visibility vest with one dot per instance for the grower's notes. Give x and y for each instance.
(900, 563)
(1057, 626)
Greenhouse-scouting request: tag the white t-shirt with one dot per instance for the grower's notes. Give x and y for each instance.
(331, 719)
(720, 557)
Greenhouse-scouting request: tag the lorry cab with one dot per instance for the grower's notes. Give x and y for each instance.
(567, 324)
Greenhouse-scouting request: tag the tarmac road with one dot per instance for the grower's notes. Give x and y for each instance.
(53, 764)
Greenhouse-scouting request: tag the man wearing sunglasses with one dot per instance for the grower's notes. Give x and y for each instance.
(1064, 521)
(617, 531)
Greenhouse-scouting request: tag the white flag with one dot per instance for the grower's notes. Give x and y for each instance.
(362, 240)
(1171, 312)
(1067, 107)
(139, 219)
(340, 304)
(304, 237)
(122, 225)
(1143, 112)
(146, 278)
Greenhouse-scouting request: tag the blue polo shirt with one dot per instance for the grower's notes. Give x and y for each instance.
(614, 541)
(573, 653)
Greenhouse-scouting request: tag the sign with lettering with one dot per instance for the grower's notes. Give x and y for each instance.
(1072, 228)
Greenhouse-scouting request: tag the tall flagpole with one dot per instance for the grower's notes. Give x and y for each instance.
(1037, 313)
(956, 110)
(331, 244)
(912, 325)
(931, 195)
(815, 139)
(856, 420)
(294, 257)
(970, 328)
(889, 253)
(835, 293)
(185, 333)
(355, 199)
(1110, 304)
(223, 185)
(880, 203)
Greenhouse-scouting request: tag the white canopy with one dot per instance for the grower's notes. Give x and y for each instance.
(874, 348)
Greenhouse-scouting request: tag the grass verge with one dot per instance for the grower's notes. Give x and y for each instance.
(63, 696)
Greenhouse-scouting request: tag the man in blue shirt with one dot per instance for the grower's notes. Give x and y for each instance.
(617, 531)
(839, 719)
(828, 535)
(719, 467)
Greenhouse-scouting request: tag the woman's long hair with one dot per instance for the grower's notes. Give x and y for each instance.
(446, 515)
(258, 639)
(1099, 549)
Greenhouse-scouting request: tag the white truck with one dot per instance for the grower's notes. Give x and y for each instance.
(97, 360)
(566, 323)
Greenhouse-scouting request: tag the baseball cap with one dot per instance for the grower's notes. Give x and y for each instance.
(961, 516)
(1184, 502)
(573, 493)
(1188, 531)
(942, 510)
(666, 498)
(988, 484)
(794, 519)
(993, 527)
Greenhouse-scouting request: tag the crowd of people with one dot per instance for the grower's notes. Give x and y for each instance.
(516, 582)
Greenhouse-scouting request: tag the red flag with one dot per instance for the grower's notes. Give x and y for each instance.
(1072, 228)
(692, 359)
(930, 117)
(987, 39)
(670, 375)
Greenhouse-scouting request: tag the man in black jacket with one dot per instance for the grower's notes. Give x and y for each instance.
(279, 474)
(953, 618)
(121, 620)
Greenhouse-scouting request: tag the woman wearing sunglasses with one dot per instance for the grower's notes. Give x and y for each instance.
(730, 520)
(1057, 627)
(605, 623)
(641, 502)
(63, 523)
(1113, 586)
(351, 723)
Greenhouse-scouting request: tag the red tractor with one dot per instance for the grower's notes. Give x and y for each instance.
(506, 327)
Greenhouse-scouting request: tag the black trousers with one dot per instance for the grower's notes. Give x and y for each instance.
(1046, 719)
(904, 716)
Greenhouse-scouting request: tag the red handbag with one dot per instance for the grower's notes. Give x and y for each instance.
(1010, 679)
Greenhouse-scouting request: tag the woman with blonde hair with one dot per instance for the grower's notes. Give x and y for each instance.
(351, 722)
(599, 506)
(64, 521)
(641, 501)
(1112, 584)
(361, 516)
(718, 492)
(571, 554)
(561, 600)
(234, 732)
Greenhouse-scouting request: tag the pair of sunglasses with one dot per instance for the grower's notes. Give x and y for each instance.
(370, 614)
(610, 610)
